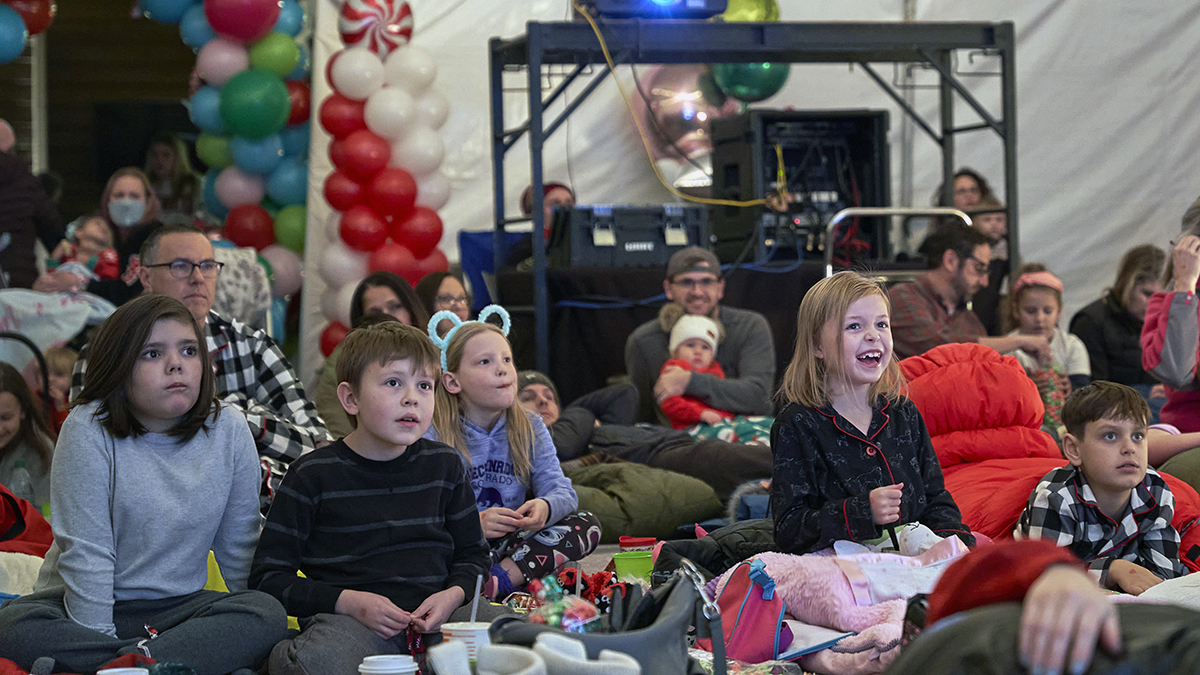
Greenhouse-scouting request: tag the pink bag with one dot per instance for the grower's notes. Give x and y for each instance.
(752, 615)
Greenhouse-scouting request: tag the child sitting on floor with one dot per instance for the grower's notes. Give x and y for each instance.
(851, 454)
(1036, 305)
(382, 522)
(150, 474)
(1107, 506)
(527, 508)
(693, 345)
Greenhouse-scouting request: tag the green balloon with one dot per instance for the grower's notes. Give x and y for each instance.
(751, 10)
(751, 82)
(276, 52)
(254, 104)
(214, 151)
(290, 227)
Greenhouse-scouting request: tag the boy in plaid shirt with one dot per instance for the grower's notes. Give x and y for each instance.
(1107, 505)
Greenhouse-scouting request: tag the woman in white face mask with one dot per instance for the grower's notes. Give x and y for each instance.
(132, 210)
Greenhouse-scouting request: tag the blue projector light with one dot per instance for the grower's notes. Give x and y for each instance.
(655, 9)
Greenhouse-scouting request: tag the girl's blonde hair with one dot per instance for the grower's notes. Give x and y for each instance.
(806, 380)
(447, 411)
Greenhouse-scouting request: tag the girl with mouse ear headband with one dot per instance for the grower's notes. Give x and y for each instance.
(508, 453)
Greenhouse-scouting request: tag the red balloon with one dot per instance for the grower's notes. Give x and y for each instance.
(361, 229)
(420, 232)
(329, 67)
(342, 192)
(37, 14)
(366, 155)
(434, 262)
(337, 152)
(341, 116)
(250, 225)
(332, 336)
(392, 193)
(392, 257)
(242, 20)
(300, 97)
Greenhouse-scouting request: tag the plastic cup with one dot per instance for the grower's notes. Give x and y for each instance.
(388, 664)
(473, 634)
(633, 563)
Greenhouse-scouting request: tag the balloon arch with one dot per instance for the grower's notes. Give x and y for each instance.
(253, 107)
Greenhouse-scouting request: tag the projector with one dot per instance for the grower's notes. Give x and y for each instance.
(654, 9)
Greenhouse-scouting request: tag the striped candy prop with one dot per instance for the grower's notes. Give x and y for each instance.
(378, 25)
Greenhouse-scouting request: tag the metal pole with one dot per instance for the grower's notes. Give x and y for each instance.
(946, 103)
(541, 303)
(499, 148)
(1008, 74)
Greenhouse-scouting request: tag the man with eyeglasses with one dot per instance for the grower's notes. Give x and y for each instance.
(746, 354)
(933, 310)
(177, 260)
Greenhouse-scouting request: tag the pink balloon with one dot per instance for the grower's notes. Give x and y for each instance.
(242, 20)
(673, 108)
(235, 187)
(220, 60)
(289, 271)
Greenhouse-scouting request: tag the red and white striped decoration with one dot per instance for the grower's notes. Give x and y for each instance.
(380, 25)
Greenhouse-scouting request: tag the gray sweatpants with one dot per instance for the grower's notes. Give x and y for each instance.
(336, 643)
(214, 633)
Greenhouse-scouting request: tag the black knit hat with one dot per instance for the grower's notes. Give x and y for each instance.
(528, 377)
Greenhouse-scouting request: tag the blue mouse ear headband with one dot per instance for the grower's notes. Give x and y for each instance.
(444, 342)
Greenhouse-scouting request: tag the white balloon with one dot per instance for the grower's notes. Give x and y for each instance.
(433, 108)
(410, 67)
(357, 73)
(341, 265)
(335, 302)
(390, 112)
(433, 190)
(419, 152)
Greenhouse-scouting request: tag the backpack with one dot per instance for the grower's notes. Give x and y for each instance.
(752, 615)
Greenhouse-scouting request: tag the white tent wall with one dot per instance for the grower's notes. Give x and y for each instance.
(1106, 125)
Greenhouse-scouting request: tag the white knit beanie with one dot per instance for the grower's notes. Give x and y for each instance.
(694, 326)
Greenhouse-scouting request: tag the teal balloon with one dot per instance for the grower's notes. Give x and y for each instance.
(261, 156)
(205, 110)
(211, 201)
(751, 82)
(194, 27)
(13, 34)
(291, 224)
(254, 104)
(288, 183)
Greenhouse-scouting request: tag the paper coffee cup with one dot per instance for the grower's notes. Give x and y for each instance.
(472, 634)
(388, 664)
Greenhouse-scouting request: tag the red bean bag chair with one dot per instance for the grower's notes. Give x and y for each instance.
(984, 415)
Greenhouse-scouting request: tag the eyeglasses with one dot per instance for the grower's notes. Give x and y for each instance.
(453, 300)
(182, 269)
(692, 284)
(981, 267)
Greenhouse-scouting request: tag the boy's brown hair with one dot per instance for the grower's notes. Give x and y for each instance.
(381, 343)
(1103, 400)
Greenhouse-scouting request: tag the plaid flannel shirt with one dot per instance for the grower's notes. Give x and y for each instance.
(1062, 508)
(920, 322)
(255, 376)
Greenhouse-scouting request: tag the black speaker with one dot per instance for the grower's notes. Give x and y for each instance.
(602, 235)
(831, 159)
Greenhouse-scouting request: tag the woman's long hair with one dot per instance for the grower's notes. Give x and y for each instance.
(447, 411)
(399, 286)
(113, 353)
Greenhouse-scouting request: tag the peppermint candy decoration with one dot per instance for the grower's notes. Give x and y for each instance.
(380, 25)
